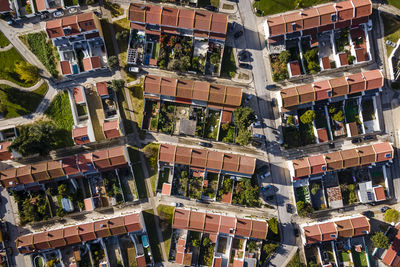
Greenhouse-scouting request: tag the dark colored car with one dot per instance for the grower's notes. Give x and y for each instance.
(245, 66)
(295, 230)
(211, 8)
(204, 144)
(289, 208)
(269, 197)
(356, 140)
(384, 209)
(238, 34)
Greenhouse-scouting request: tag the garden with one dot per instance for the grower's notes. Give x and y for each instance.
(227, 133)
(391, 28)
(306, 129)
(206, 251)
(210, 185)
(98, 254)
(60, 113)
(212, 124)
(377, 176)
(165, 214)
(153, 116)
(199, 114)
(368, 112)
(225, 187)
(317, 195)
(359, 258)
(3, 40)
(163, 177)
(214, 57)
(43, 49)
(320, 118)
(150, 152)
(337, 116)
(352, 113)
(311, 57)
(269, 7)
(279, 66)
(195, 185)
(245, 193)
(112, 185)
(175, 53)
(166, 118)
(194, 243)
(348, 187)
(228, 68)
(56, 191)
(327, 250)
(342, 40)
(344, 257)
(128, 184)
(181, 179)
(32, 207)
(136, 95)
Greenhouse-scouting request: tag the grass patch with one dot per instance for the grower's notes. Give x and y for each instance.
(114, 8)
(7, 67)
(119, 26)
(107, 37)
(138, 172)
(124, 111)
(148, 217)
(60, 112)
(151, 155)
(3, 40)
(136, 95)
(228, 68)
(17, 103)
(392, 31)
(203, 3)
(43, 49)
(268, 7)
(165, 214)
(295, 261)
(71, 2)
(395, 3)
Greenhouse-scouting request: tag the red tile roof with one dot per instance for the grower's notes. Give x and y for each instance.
(345, 10)
(167, 153)
(181, 219)
(295, 68)
(54, 28)
(166, 189)
(259, 229)
(202, 20)
(212, 223)
(78, 134)
(343, 59)
(186, 18)
(219, 23)
(379, 193)
(102, 89)
(169, 16)
(111, 129)
(301, 167)
(87, 64)
(227, 225)
(4, 6)
(78, 95)
(65, 67)
(153, 14)
(384, 151)
(317, 164)
(196, 221)
(4, 153)
(322, 135)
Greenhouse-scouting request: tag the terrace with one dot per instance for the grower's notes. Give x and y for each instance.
(325, 51)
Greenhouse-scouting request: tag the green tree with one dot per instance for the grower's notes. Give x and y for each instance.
(391, 215)
(339, 116)
(62, 190)
(252, 246)
(315, 188)
(118, 85)
(60, 212)
(284, 56)
(174, 64)
(206, 241)
(380, 240)
(195, 243)
(214, 58)
(269, 248)
(243, 137)
(313, 67)
(185, 63)
(243, 117)
(312, 264)
(273, 225)
(303, 209)
(34, 138)
(290, 120)
(113, 62)
(122, 35)
(308, 116)
(295, 261)
(26, 71)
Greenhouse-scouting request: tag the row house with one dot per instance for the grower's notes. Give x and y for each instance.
(318, 19)
(79, 41)
(76, 234)
(70, 167)
(330, 230)
(207, 160)
(161, 19)
(359, 156)
(293, 97)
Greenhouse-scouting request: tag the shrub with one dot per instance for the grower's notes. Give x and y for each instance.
(339, 116)
(380, 240)
(113, 62)
(308, 116)
(391, 215)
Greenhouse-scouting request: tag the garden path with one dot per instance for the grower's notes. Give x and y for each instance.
(28, 89)
(8, 47)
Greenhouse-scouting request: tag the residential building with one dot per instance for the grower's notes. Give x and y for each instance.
(79, 165)
(391, 256)
(5, 6)
(217, 227)
(334, 229)
(79, 42)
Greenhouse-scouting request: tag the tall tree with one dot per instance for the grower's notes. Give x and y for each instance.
(380, 240)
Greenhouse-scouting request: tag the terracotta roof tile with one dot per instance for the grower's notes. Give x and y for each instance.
(215, 160)
(211, 224)
(167, 153)
(153, 14)
(168, 86)
(65, 67)
(183, 155)
(379, 193)
(181, 219)
(137, 12)
(196, 221)
(301, 167)
(356, 83)
(384, 151)
(201, 90)
(345, 10)
(350, 158)
(186, 18)
(295, 68)
(111, 129)
(169, 16)
(227, 225)
(374, 79)
(199, 158)
(219, 23)
(202, 20)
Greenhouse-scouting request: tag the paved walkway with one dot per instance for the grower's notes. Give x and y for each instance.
(6, 48)
(28, 89)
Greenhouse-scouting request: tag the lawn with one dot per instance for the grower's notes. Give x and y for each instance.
(228, 68)
(359, 258)
(3, 40)
(165, 214)
(395, 3)
(138, 172)
(203, 3)
(302, 194)
(71, 3)
(344, 256)
(120, 26)
(136, 94)
(151, 155)
(60, 112)
(268, 7)
(17, 103)
(162, 178)
(106, 32)
(7, 67)
(148, 217)
(43, 49)
(124, 111)
(392, 29)
(212, 125)
(368, 112)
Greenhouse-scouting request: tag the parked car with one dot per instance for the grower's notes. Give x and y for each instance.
(202, 201)
(14, 22)
(245, 66)
(238, 34)
(265, 175)
(289, 208)
(384, 209)
(177, 204)
(270, 86)
(269, 197)
(234, 25)
(248, 98)
(72, 10)
(255, 143)
(134, 69)
(295, 230)
(58, 13)
(211, 8)
(388, 42)
(257, 124)
(356, 140)
(204, 144)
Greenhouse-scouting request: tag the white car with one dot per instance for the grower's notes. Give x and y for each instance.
(72, 10)
(134, 69)
(58, 14)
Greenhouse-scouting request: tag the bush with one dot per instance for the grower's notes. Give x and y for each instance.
(380, 240)
(315, 188)
(391, 215)
(339, 116)
(308, 116)
(113, 62)
(303, 209)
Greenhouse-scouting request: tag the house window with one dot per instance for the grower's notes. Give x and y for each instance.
(333, 17)
(388, 155)
(323, 168)
(85, 138)
(334, 235)
(329, 93)
(294, 26)
(364, 232)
